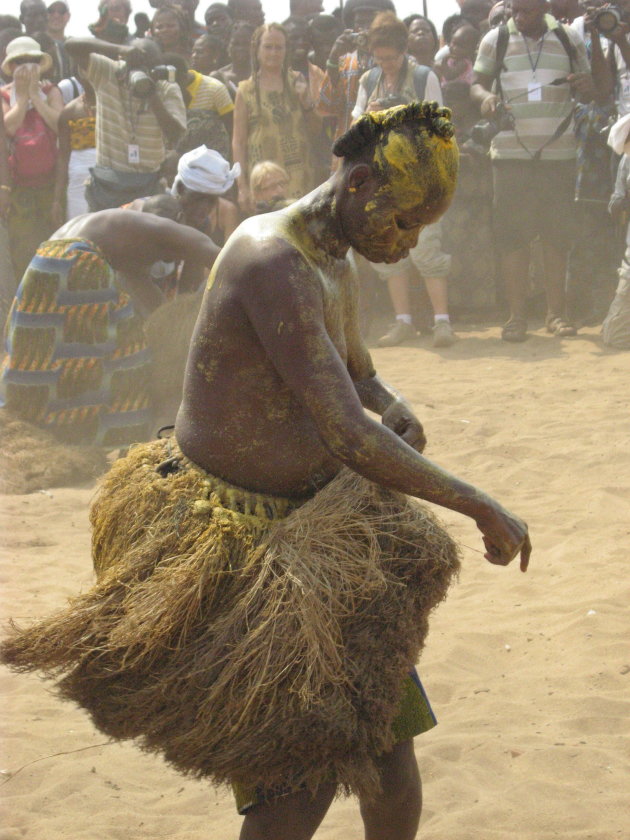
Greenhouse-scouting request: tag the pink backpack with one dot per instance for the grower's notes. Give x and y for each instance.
(33, 149)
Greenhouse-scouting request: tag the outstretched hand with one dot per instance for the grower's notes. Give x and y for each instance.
(400, 419)
(504, 536)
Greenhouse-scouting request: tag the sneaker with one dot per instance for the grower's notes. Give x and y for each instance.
(398, 332)
(443, 335)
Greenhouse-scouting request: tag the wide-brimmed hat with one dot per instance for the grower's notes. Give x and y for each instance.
(25, 47)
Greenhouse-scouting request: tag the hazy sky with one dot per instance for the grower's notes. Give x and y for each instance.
(84, 11)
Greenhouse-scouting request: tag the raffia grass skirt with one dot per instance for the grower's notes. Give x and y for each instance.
(246, 638)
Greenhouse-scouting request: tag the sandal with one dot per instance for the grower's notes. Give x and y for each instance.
(514, 330)
(556, 325)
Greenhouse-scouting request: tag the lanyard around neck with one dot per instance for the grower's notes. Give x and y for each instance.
(534, 64)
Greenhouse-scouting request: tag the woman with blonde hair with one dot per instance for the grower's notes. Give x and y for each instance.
(274, 116)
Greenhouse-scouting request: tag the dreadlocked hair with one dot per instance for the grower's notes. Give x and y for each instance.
(375, 127)
(286, 82)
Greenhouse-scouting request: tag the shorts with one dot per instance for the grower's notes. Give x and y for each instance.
(533, 198)
(427, 256)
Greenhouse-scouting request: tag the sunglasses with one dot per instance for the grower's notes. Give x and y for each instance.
(25, 59)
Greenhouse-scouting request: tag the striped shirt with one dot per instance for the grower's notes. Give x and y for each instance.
(538, 113)
(123, 120)
(209, 94)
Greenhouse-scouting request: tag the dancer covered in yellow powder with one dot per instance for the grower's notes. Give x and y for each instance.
(264, 583)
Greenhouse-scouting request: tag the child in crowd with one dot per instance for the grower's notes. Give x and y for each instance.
(462, 47)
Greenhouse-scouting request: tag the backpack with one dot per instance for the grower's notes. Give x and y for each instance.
(503, 38)
(32, 149)
(420, 76)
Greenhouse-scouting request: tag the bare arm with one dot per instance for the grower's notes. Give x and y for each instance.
(171, 128)
(374, 394)
(274, 293)
(239, 150)
(61, 169)
(80, 49)
(49, 108)
(481, 94)
(5, 175)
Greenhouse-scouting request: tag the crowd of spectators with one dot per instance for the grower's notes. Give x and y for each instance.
(102, 121)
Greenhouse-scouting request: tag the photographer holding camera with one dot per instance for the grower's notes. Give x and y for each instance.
(349, 59)
(139, 113)
(526, 74)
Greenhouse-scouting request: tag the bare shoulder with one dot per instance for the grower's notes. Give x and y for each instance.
(261, 252)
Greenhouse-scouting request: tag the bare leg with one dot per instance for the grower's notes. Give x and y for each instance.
(555, 273)
(398, 286)
(437, 289)
(395, 814)
(515, 268)
(293, 817)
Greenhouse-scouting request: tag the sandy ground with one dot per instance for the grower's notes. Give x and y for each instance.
(529, 674)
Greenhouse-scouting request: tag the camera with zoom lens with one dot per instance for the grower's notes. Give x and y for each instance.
(605, 18)
(142, 84)
(483, 133)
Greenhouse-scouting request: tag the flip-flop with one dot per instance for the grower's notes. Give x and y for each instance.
(556, 325)
(514, 330)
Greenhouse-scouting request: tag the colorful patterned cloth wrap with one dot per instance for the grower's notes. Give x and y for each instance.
(77, 362)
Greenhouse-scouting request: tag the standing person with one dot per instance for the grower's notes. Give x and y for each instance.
(58, 18)
(136, 119)
(349, 59)
(33, 16)
(393, 80)
(275, 573)
(169, 29)
(534, 157)
(273, 116)
(240, 55)
(248, 10)
(31, 110)
(423, 40)
(77, 155)
(188, 7)
(324, 31)
(77, 363)
(111, 26)
(7, 285)
(219, 25)
(299, 40)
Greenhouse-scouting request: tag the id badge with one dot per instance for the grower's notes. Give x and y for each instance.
(534, 92)
(133, 153)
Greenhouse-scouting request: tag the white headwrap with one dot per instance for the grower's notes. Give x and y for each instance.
(618, 138)
(205, 171)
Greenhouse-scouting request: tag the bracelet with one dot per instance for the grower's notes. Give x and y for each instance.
(332, 65)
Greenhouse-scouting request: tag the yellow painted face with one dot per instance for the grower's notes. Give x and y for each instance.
(416, 175)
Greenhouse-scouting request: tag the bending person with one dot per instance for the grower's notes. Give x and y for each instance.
(259, 622)
(77, 363)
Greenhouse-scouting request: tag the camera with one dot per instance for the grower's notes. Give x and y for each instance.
(142, 84)
(483, 133)
(607, 19)
(360, 41)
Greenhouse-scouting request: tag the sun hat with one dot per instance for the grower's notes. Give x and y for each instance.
(25, 47)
